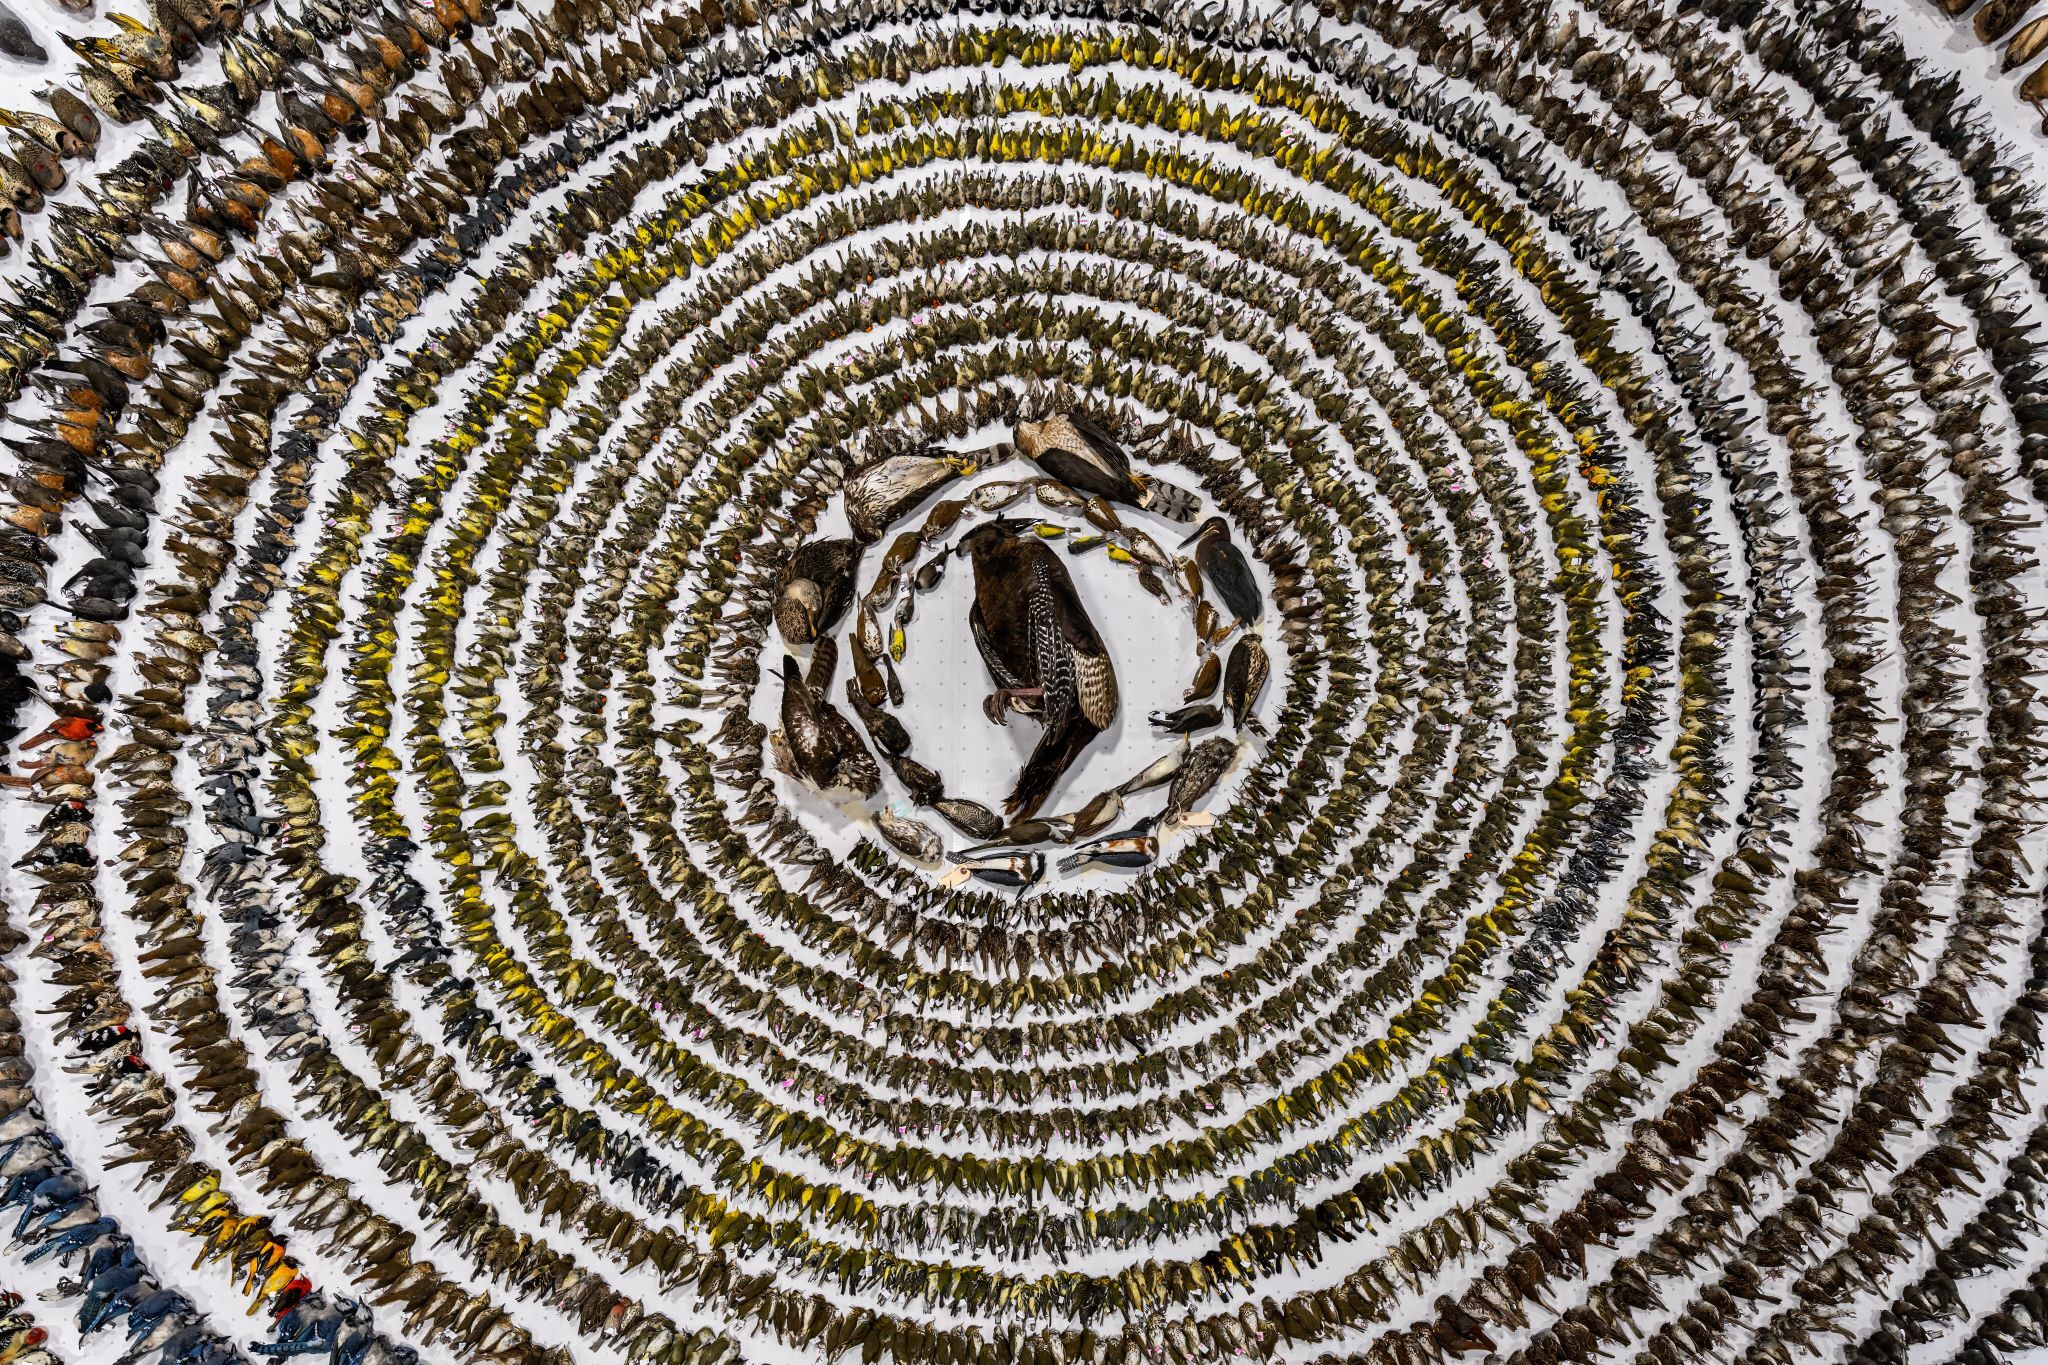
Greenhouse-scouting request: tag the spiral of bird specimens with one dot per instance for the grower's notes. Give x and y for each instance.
(1025, 684)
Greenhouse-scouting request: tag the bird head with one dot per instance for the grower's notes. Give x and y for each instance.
(1214, 526)
(989, 534)
(797, 610)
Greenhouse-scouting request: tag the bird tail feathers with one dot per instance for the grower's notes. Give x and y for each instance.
(1169, 500)
(1056, 752)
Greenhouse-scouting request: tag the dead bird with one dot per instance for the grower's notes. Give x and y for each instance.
(882, 727)
(1206, 765)
(1098, 815)
(1084, 455)
(971, 818)
(77, 116)
(994, 497)
(1227, 570)
(51, 134)
(1048, 829)
(17, 41)
(912, 838)
(1158, 772)
(1138, 829)
(926, 787)
(1125, 855)
(817, 744)
(1041, 650)
(1185, 720)
(2027, 44)
(1244, 678)
(813, 589)
(1016, 872)
(881, 493)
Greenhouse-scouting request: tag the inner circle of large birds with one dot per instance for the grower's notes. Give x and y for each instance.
(572, 572)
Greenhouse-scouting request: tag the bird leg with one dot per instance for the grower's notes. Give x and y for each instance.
(999, 702)
(989, 457)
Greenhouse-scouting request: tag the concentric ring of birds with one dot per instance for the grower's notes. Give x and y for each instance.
(1019, 685)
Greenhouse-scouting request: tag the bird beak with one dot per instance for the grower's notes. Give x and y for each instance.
(1191, 539)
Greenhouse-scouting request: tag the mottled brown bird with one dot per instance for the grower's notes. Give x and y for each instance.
(817, 744)
(813, 589)
(880, 494)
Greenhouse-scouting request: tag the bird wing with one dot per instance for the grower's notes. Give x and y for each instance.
(1097, 679)
(990, 655)
(1071, 660)
(800, 720)
(1108, 448)
(1081, 461)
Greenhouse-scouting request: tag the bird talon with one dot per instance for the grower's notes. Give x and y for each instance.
(999, 703)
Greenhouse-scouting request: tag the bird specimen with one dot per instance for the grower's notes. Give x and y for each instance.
(1041, 650)
(425, 431)
(1244, 678)
(817, 745)
(1226, 570)
(814, 589)
(1085, 457)
(878, 495)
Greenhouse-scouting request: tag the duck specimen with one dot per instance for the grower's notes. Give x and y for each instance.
(813, 589)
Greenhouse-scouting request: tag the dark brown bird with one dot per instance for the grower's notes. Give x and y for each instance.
(1456, 1330)
(1042, 651)
(1227, 570)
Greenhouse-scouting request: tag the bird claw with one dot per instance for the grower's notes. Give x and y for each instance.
(999, 703)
